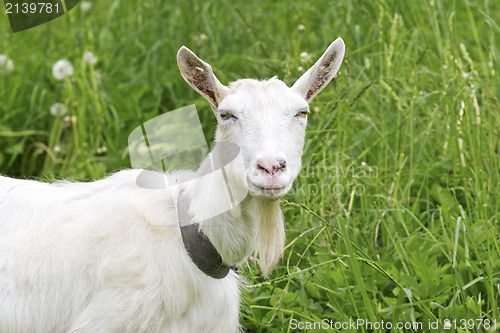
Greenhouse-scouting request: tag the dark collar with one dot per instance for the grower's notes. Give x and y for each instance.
(200, 249)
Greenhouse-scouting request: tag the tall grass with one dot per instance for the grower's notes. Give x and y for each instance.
(395, 214)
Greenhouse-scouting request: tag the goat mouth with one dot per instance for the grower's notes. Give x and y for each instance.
(270, 191)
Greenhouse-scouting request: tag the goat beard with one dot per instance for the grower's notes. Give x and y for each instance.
(270, 240)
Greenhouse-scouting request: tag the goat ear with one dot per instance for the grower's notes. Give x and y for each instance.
(319, 75)
(200, 76)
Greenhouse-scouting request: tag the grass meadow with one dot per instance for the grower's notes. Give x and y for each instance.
(395, 215)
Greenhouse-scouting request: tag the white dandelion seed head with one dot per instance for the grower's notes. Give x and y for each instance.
(73, 119)
(102, 150)
(10, 65)
(58, 110)
(301, 27)
(89, 58)
(316, 109)
(85, 6)
(6, 64)
(367, 62)
(143, 150)
(203, 37)
(304, 56)
(62, 69)
(300, 69)
(57, 149)
(67, 121)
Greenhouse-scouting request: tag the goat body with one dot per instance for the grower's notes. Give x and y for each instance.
(108, 256)
(105, 256)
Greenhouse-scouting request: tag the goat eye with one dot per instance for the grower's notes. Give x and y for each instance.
(226, 116)
(302, 114)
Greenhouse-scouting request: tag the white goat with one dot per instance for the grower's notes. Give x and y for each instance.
(109, 256)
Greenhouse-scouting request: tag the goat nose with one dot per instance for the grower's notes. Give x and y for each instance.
(271, 165)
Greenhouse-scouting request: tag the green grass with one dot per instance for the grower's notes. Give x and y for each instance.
(395, 214)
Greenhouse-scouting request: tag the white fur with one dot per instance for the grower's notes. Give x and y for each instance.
(108, 257)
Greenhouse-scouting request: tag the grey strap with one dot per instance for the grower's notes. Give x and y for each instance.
(201, 251)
